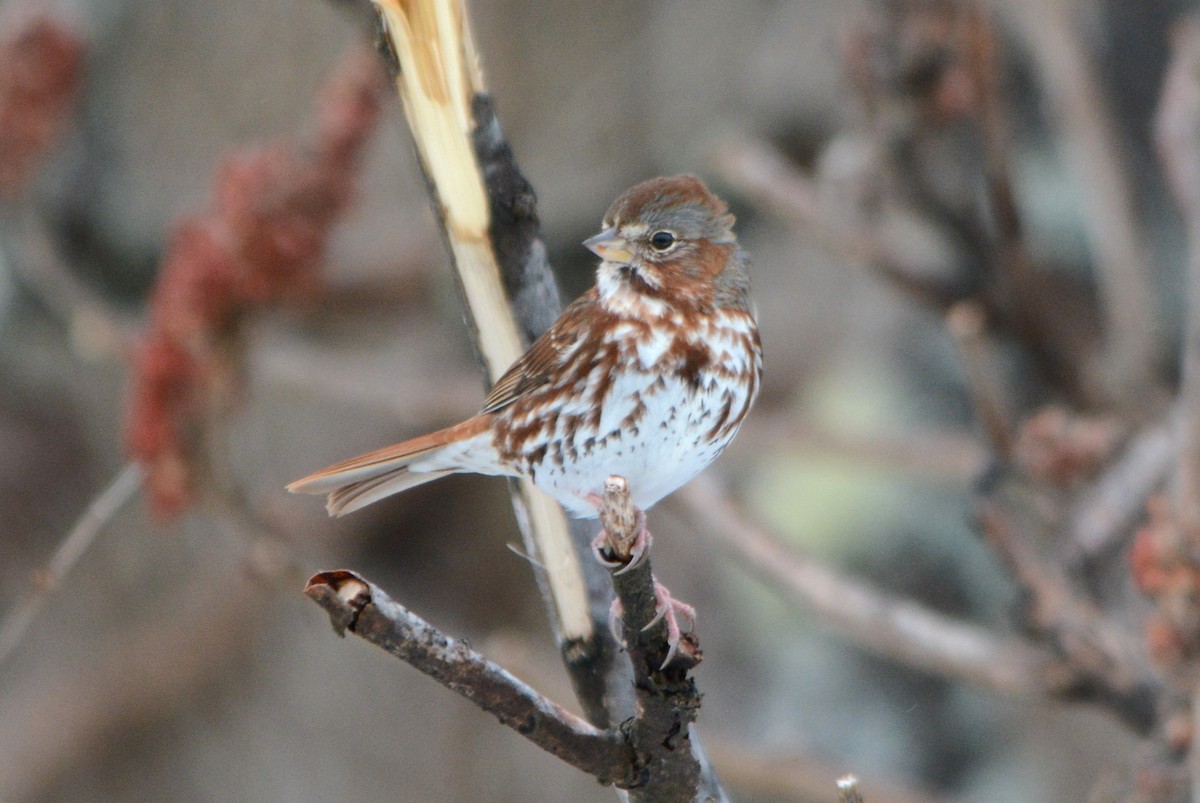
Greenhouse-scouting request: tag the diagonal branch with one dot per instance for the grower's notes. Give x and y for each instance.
(357, 605)
(899, 629)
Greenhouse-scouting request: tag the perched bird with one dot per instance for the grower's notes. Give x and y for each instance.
(647, 376)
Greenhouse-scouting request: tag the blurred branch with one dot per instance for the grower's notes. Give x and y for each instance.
(764, 773)
(966, 323)
(1108, 510)
(56, 720)
(1101, 659)
(98, 514)
(881, 623)
(763, 173)
(1177, 132)
(357, 605)
(1076, 105)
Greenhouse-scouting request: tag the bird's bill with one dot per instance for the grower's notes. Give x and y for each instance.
(610, 246)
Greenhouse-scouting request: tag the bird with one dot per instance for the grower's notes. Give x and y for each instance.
(647, 376)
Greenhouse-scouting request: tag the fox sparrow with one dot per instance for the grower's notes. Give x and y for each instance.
(647, 376)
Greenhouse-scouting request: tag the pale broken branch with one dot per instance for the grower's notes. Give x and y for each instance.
(437, 75)
(357, 605)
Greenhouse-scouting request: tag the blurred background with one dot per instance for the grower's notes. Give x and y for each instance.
(179, 659)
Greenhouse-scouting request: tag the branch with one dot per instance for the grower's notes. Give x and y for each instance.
(488, 213)
(883, 624)
(668, 700)
(436, 72)
(99, 512)
(1102, 658)
(1116, 501)
(357, 605)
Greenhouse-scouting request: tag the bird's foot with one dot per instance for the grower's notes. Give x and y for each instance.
(666, 609)
(623, 556)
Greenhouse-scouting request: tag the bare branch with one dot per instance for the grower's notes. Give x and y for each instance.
(1103, 658)
(99, 512)
(357, 605)
(886, 625)
(668, 700)
(436, 71)
(966, 323)
(1116, 501)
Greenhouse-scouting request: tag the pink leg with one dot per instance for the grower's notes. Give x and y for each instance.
(667, 609)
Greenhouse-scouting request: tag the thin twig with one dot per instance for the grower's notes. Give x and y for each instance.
(966, 324)
(847, 787)
(1103, 658)
(896, 628)
(99, 512)
(357, 605)
(1116, 501)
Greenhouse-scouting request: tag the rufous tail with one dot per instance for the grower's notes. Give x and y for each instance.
(359, 481)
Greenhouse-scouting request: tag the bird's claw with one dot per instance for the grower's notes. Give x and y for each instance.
(637, 548)
(666, 609)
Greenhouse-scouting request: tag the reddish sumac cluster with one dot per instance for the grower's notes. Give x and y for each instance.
(261, 242)
(41, 68)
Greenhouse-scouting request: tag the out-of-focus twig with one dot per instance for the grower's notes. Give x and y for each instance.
(764, 174)
(898, 629)
(1113, 504)
(966, 324)
(1103, 660)
(81, 536)
(359, 606)
(1177, 130)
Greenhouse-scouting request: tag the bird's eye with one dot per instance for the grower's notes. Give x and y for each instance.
(662, 240)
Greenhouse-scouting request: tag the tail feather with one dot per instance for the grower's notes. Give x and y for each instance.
(349, 498)
(359, 481)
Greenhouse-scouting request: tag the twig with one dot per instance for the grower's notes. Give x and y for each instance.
(965, 321)
(99, 512)
(357, 605)
(668, 700)
(762, 172)
(848, 792)
(1116, 501)
(1103, 659)
(895, 628)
